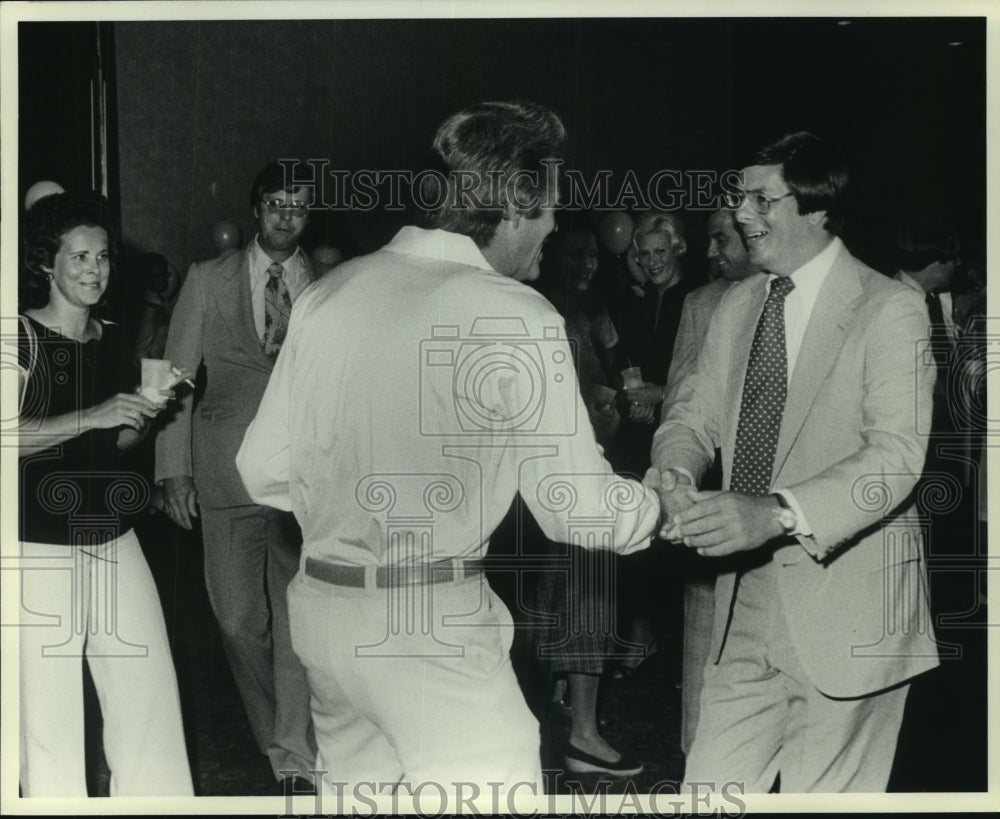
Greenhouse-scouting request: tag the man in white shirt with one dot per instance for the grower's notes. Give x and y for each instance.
(808, 382)
(927, 260)
(419, 389)
(231, 315)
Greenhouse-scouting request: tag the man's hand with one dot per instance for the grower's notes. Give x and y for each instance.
(721, 523)
(675, 491)
(180, 500)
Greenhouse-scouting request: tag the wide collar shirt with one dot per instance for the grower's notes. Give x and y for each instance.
(296, 276)
(799, 303)
(417, 392)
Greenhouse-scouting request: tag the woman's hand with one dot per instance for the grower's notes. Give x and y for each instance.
(648, 393)
(122, 409)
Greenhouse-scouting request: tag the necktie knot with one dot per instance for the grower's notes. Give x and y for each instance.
(781, 286)
(276, 271)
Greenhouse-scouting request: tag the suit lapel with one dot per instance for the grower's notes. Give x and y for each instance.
(824, 336)
(310, 271)
(232, 299)
(745, 325)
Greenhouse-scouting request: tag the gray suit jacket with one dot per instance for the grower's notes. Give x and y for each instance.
(213, 322)
(855, 593)
(699, 307)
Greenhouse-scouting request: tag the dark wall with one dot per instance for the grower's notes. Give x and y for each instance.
(203, 105)
(55, 121)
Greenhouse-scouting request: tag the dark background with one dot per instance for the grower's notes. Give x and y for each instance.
(195, 108)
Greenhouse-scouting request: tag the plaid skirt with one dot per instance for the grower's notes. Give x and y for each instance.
(580, 602)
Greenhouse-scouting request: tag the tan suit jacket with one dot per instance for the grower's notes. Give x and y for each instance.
(699, 307)
(855, 593)
(213, 322)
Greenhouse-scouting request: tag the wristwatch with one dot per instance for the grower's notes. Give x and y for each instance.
(786, 515)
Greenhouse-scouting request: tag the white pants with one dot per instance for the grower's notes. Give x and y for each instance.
(414, 684)
(761, 715)
(99, 602)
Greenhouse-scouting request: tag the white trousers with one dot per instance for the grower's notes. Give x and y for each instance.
(414, 685)
(97, 602)
(761, 715)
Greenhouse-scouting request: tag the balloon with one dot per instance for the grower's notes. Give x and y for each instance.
(40, 190)
(615, 231)
(326, 258)
(226, 236)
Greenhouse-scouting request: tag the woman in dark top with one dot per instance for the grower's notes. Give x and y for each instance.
(576, 646)
(648, 327)
(85, 587)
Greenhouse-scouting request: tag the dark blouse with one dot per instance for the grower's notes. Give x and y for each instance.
(648, 328)
(76, 491)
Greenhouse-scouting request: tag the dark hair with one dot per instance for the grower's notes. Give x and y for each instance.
(489, 155)
(923, 241)
(277, 176)
(44, 226)
(814, 170)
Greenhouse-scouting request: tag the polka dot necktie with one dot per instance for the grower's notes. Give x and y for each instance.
(277, 309)
(764, 392)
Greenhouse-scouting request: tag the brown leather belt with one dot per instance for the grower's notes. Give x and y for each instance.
(420, 574)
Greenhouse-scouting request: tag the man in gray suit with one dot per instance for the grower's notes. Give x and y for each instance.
(232, 315)
(810, 383)
(730, 263)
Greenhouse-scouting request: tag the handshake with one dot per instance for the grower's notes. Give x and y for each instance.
(712, 522)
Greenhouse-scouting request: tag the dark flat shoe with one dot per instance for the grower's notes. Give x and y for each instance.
(578, 761)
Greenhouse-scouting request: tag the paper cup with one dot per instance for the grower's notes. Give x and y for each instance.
(632, 376)
(157, 374)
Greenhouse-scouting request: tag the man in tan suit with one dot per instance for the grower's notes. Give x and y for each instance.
(231, 315)
(808, 382)
(730, 263)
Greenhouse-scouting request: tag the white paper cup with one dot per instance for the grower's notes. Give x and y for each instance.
(157, 374)
(632, 376)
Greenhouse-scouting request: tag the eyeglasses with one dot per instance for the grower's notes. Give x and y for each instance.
(756, 200)
(276, 206)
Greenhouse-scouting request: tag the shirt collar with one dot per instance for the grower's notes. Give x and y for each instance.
(810, 277)
(438, 244)
(909, 281)
(260, 261)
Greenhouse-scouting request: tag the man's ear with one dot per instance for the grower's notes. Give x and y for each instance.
(817, 217)
(511, 214)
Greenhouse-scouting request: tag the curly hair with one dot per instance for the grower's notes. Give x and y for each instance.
(669, 224)
(488, 156)
(43, 229)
